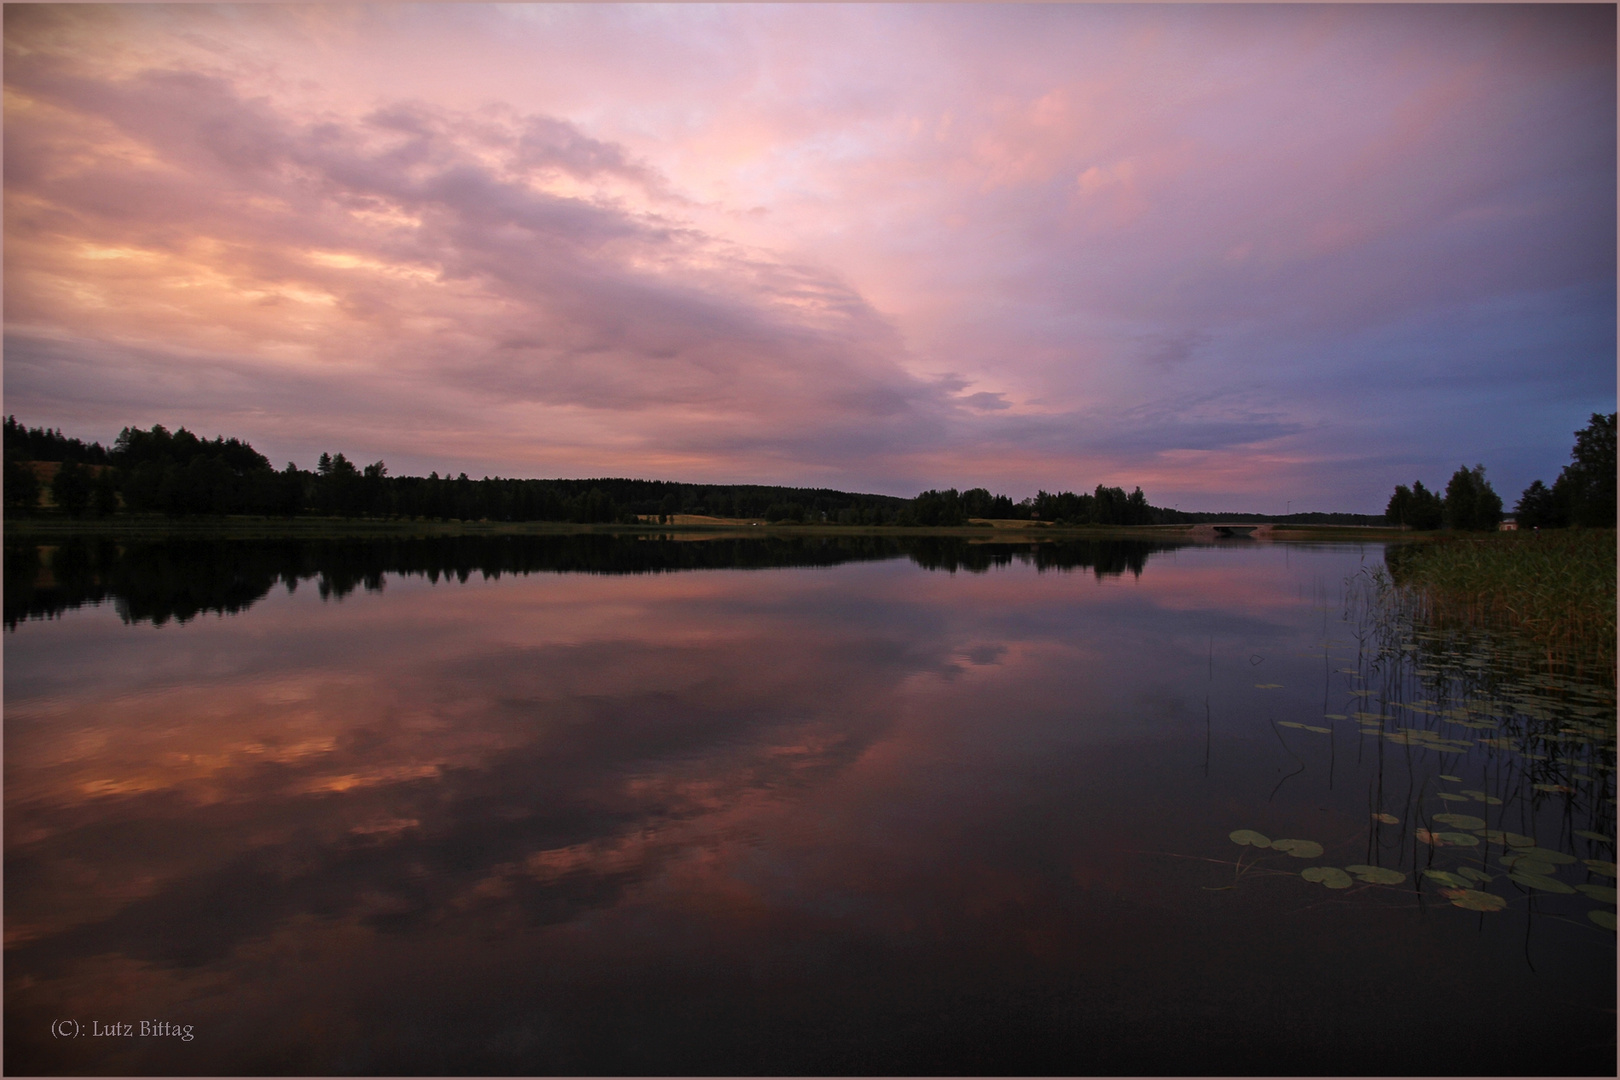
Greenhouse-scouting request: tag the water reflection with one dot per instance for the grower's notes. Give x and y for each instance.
(159, 580)
(841, 816)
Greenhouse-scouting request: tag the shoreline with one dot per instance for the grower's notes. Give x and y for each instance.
(243, 527)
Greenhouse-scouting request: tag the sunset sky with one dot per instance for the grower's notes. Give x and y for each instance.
(1247, 257)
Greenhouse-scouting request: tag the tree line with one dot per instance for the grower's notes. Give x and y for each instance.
(1582, 496)
(181, 474)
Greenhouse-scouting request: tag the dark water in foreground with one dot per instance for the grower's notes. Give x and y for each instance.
(587, 805)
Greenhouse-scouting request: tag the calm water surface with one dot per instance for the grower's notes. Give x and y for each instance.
(629, 807)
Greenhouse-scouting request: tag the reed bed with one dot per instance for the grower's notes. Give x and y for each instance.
(1552, 590)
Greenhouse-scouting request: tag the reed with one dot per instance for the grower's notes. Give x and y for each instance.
(1553, 590)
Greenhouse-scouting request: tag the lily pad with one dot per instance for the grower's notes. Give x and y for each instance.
(1288, 723)
(1249, 836)
(1453, 779)
(1518, 840)
(1446, 878)
(1299, 849)
(1462, 821)
(1377, 875)
(1471, 874)
(1331, 876)
(1334, 716)
(1460, 839)
(1539, 881)
(1387, 819)
(1474, 900)
(1268, 686)
(1599, 837)
(1604, 919)
(1449, 797)
(1598, 892)
(1598, 866)
(1546, 855)
(1318, 730)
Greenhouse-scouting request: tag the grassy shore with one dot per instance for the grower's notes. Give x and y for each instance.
(1554, 590)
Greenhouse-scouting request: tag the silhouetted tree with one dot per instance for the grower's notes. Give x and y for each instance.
(104, 493)
(22, 484)
(1536, 508)
(1416, 507)
(1471, 503)
(1589, 479)
(70, 487)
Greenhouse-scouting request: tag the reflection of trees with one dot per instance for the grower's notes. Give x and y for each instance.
(156, 581)
(1107, 558)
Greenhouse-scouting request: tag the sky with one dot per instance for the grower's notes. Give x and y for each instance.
(1248, 257)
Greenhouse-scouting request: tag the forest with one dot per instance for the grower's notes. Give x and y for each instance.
(180, 474)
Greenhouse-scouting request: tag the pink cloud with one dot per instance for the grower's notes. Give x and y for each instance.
(873, 247)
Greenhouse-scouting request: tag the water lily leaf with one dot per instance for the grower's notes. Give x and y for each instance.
(1453, 779)
(1519, 840)
(1318, 730)
(1598, 866)
(1387, 819)
(1546, 855)
(1474, 875)
(1268, 686)
(1377, 875)
(1427, 837)
(1449, 797)
(1249, 836)
(1299, 849)
(1598, 892)
(1288, 723)
(1474, 900)
(1460, 839)
(1446, 878)
(1604, 919)
(1331, 876)
(1462, 821)
(1539, 881)
(1552, 787)
(1495, 836)
(1334, 716)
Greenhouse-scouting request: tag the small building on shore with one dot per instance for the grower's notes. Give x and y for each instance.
(1508, 525)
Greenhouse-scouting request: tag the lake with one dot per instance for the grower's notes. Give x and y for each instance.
(615, 805)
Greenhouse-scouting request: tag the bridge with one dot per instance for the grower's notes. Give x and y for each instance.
(1230, 530)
